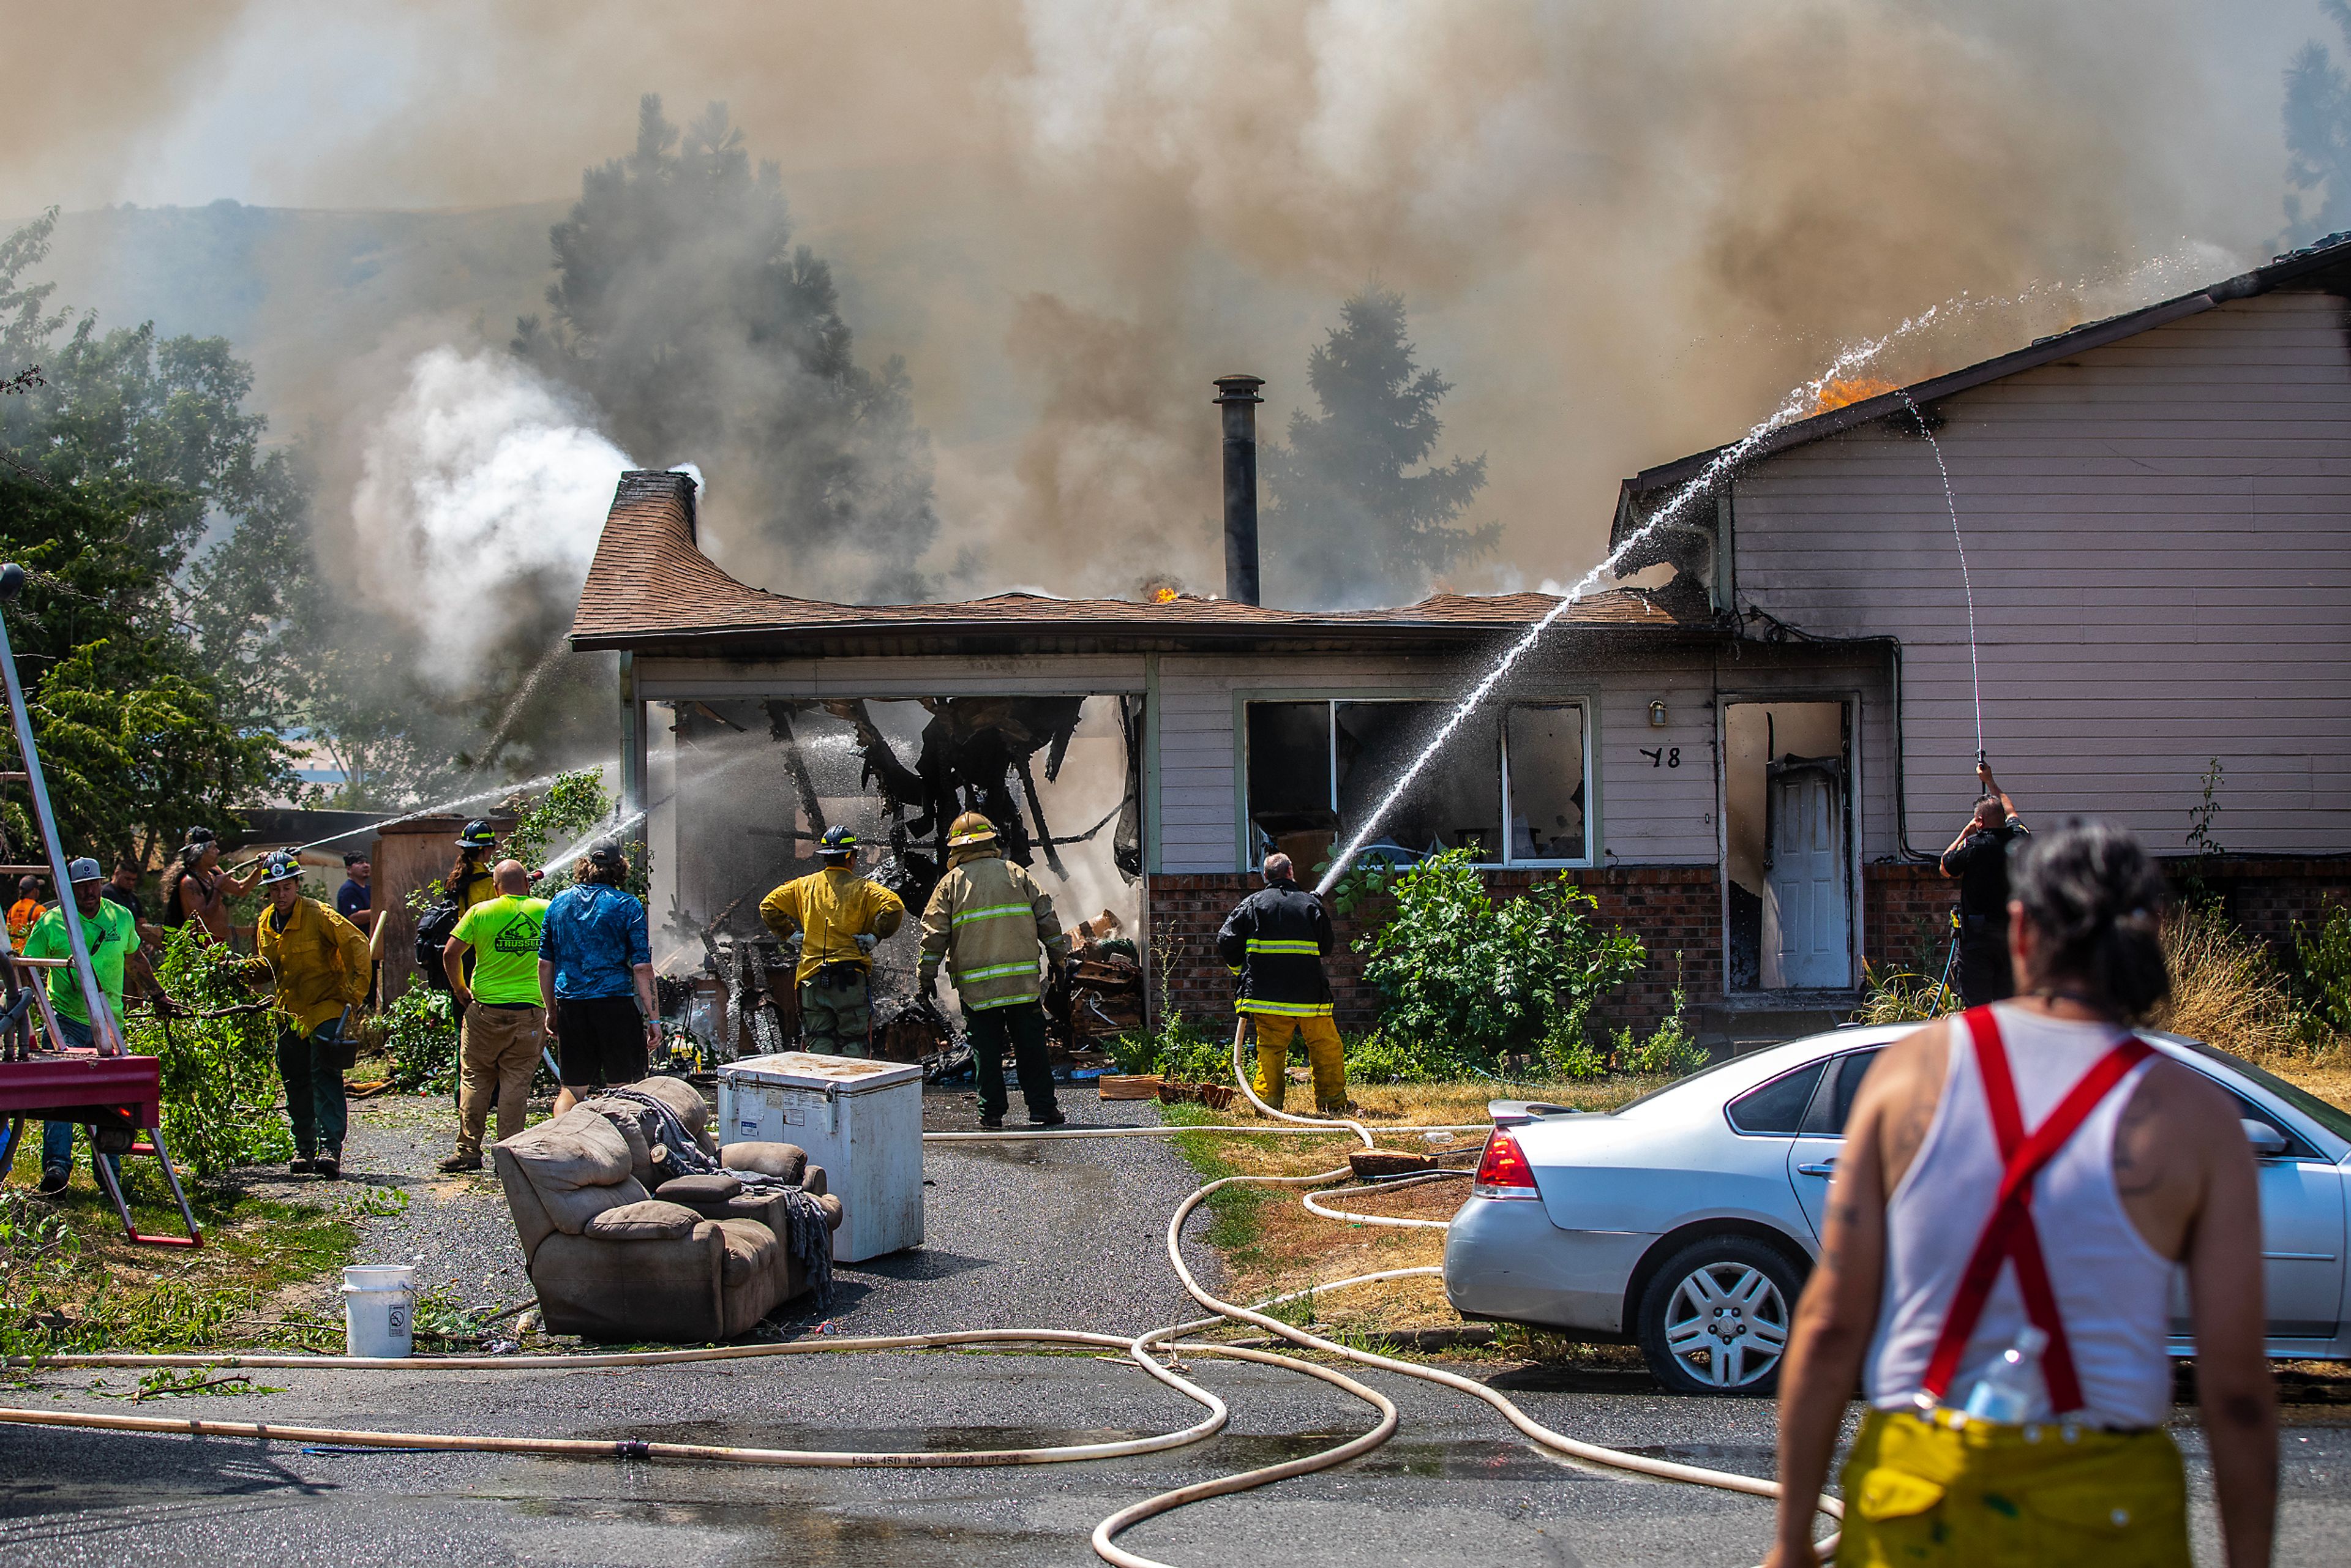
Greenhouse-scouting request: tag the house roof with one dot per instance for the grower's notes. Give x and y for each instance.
(2326, 265)
(652, 590)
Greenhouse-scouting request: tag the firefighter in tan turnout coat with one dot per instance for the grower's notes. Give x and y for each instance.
(990, 923)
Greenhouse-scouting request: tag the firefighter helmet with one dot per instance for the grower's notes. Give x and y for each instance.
(971, 827)
(478, 835)
(836, 842)
(281, 867)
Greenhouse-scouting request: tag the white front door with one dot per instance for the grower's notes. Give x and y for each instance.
(1806, 934)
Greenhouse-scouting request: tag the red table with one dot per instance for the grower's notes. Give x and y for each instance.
(116, 1098)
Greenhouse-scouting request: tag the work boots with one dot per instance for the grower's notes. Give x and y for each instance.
(456, 1163)
(330, 1164)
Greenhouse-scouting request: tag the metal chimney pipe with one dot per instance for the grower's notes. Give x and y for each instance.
(1238, 396)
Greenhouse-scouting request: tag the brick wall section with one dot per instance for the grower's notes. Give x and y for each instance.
(1670, 908)
(1906, 909)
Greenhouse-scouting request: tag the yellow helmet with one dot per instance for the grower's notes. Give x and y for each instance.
(971, 827)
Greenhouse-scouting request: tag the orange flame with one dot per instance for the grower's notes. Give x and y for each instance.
(1163, 596)
(1839, 391)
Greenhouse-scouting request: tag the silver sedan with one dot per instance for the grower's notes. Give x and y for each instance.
(1687, 1220)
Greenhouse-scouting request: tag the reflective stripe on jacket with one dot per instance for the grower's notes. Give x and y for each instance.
(988, 919)
(1274, 943)
(318, 959)
(832, 908)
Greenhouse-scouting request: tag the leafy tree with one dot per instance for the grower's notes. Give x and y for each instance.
(2318, 136)
(1356, 524)
(149, 657)
(684, 314)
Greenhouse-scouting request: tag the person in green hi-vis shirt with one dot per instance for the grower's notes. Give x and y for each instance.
(503, 1032)
(114, 938)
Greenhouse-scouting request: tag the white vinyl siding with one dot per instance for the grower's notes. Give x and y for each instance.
(2160, 536)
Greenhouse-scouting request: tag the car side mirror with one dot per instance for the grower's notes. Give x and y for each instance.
(2267, 1141)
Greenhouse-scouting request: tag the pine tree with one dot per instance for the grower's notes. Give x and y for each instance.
(686, 316)
(2318, 137)
(1351, 522)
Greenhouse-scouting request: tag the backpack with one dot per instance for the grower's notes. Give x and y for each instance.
(433, 929)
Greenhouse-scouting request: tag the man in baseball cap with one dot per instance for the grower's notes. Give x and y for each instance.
(112, 936)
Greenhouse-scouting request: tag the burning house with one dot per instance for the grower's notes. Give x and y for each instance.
(1750, 767)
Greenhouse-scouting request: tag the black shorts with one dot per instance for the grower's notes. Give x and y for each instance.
(599, 1040)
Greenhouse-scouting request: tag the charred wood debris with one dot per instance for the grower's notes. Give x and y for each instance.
(976, 754)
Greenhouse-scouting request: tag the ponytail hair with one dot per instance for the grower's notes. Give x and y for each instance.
(2095, 899)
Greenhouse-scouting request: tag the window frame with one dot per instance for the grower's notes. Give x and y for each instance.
(1587, 709)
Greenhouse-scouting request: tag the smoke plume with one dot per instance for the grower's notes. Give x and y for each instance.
(1622, 231)
(478, 483)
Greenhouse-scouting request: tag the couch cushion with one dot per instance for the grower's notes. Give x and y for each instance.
(577, 1149)
(649, 1220)
(751, 1250)
(685, 1100)
(782, 1161)
(628, 1119)
(694, 1191)
(569, 1212)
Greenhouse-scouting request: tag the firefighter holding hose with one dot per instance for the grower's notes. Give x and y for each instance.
(833, 919)
(1274, 942)
(991, 922)
(320, 965)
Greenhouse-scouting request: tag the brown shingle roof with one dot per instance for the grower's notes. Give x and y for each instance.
(651, 589)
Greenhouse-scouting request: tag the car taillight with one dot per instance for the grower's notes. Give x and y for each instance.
(1503, 1171)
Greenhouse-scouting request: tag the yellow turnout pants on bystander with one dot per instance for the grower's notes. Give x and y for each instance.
(1971, 1494)
(1323, 1051)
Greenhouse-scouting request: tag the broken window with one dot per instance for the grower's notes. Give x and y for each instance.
(1317, 770)
(1542, 765)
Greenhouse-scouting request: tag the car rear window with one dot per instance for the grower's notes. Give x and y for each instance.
(2327, 1114)
(1777, 1107)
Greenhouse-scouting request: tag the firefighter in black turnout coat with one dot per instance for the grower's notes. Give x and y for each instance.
(1275, 943)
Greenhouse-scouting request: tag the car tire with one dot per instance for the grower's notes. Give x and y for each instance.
(1716, 1318)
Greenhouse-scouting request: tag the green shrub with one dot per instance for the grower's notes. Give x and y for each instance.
(1477, 980)
(420, 1034)
(1900, 996)
(219, 1074)
(1670, 1051)
(1382, 1058)
(2321, 965)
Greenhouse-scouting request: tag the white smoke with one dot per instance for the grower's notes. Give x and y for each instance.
(481, 475)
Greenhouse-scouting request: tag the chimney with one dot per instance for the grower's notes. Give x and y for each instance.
(1238, 396)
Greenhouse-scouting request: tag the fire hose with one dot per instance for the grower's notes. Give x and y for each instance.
(1144, 1349)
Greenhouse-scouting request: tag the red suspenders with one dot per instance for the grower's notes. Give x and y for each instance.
(2010, 1234)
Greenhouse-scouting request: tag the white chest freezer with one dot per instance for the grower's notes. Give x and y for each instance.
(861, 1120)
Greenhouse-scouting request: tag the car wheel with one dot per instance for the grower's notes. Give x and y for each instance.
(1716, 1318)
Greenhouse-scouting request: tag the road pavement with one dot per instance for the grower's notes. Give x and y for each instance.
(1060, 1234)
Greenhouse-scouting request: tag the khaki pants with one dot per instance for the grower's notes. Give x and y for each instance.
(837, 1015)
(498, 1048)
(1324, 1052)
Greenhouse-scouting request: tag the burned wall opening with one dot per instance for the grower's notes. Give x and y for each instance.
(742, 789)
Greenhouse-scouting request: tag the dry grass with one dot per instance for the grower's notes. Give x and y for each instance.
(1271, 1244)
(2226, 992)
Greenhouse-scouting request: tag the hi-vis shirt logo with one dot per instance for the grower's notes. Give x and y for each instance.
(517, 936)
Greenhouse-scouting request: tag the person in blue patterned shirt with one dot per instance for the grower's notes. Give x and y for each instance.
(596, 979)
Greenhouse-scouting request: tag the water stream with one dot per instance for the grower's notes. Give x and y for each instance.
(561, 858)
(1975, 668)
(1801, 402)
(435, 809)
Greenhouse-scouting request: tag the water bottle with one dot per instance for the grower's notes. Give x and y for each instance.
(2010, 1392)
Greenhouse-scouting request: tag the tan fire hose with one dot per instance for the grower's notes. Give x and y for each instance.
(1143, 1350)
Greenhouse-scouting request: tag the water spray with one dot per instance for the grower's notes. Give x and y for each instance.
(1975, 669)
(586, 842)
(1801, 402)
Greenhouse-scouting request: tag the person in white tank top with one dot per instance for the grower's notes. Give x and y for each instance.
(2035, 1164)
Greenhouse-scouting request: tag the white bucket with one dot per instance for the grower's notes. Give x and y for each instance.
(379, 1310)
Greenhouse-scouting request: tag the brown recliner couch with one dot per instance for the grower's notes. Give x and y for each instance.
(619, 1249)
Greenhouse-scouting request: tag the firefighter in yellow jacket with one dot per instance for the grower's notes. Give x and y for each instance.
(991, 922)
(833, 919)
(320, 965)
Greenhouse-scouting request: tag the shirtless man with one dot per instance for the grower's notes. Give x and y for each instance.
(1919, 1290)
(200, 891)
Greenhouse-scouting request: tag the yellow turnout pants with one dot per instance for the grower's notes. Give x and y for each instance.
(1921, 1490)
(1323, 1051)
